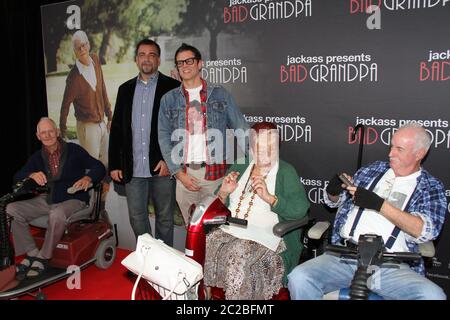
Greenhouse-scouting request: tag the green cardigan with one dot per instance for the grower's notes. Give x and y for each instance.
(292, 204)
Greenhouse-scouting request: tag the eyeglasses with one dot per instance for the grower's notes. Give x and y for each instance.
(81, 46)
(188, 61)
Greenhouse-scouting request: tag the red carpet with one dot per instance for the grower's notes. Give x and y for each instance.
(96, 284)
(113, 283)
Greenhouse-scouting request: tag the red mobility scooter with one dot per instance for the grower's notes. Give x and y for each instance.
(88, 239)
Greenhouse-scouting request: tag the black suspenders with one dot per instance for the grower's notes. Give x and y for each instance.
(395, 231)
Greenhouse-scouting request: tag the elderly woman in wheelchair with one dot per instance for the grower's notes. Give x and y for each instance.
(252, 262)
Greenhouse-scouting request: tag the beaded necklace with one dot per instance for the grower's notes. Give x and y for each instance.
(242, 197)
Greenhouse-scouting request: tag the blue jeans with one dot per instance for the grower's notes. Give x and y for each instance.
(327, 273)
(162, 192)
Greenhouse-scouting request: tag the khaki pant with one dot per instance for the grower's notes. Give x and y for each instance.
(25, 211)
(186, 198)
(94, 137)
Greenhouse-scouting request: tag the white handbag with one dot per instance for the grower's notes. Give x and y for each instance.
(168, 270)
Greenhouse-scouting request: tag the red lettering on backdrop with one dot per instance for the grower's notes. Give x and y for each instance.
(437, 71)
(424, 69)
(445, 70)
(360, 6)
(293, 73)
(236, 14)
(370, 137)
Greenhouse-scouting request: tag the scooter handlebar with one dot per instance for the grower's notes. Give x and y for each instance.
(241, 222)
(403, 256)
(340, 249)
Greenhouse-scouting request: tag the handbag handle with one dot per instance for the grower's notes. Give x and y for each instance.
(133, 293)
(181, 277)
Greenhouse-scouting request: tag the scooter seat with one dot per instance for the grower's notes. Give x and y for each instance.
(84, 213)
(42, 222)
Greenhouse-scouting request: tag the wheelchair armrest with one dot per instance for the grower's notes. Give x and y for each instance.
(316, 231)
(281, 228)
(427, 249)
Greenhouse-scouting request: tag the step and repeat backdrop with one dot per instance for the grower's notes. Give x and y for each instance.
(315, 68)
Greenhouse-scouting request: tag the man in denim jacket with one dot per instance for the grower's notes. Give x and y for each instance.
(193, 124)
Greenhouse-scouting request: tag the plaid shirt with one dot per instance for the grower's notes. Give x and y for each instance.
(53, 159)
(214, 171)
(428, 202)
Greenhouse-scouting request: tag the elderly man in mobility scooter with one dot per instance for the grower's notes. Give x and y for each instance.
(60, 166)
(397, 200)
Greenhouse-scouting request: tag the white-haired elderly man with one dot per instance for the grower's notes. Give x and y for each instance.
(59, 166)
(397, 200)
(86, 90)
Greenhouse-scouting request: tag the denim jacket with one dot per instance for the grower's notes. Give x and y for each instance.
(222, 113)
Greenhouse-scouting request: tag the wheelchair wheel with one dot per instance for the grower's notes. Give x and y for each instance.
(106, 253)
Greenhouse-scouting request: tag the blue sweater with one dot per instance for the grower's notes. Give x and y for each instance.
(75, 163)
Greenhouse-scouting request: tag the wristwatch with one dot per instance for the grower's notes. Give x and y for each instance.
(274, 203)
